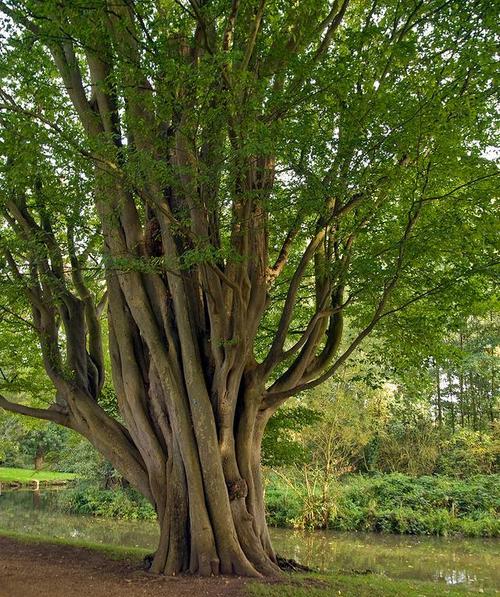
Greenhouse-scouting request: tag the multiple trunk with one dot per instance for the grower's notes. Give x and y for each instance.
(198, 449)
(193, 412)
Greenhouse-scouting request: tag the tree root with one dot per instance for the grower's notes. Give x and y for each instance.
(285, 564)
(291, 565)
(147, 561)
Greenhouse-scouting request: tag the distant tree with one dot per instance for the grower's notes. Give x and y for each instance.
(234, 180)
(41, 441)
(469, 376)
(468, 453)
(10, 432)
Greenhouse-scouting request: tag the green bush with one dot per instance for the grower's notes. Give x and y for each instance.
(282, 504)
(469, 453)
(125, 503)
(395, 503)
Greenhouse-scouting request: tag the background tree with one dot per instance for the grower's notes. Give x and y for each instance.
(40, 442)
(468, 376)
(233, 180)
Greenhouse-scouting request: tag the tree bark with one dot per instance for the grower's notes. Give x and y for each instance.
(39, 459)
(210, 523)
(233, 546)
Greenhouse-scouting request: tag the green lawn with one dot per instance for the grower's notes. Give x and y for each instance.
(352, 585)
(23, 475)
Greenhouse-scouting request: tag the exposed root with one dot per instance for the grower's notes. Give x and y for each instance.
(291, 565)
(147, 562)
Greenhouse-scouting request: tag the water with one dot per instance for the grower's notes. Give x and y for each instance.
(471, 562)
(454, 561)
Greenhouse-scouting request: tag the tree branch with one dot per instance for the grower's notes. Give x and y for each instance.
(253, 34)
(54, 413)
(330, 32)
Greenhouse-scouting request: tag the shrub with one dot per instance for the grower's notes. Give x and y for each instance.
(126, 504)
(394, 503)
(413, 450)
(469, 453)
(283, 504)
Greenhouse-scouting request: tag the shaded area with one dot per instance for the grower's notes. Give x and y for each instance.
(42, 570)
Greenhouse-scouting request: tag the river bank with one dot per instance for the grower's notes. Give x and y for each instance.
(389, 503)
(14, 478)
(442, 562)
(57, 570)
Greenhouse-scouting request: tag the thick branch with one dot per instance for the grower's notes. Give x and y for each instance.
(53, 413)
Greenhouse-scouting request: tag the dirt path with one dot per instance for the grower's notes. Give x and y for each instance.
(44, 570)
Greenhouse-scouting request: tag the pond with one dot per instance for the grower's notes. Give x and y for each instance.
(471, 562)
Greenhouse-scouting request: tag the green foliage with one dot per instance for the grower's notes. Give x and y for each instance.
(380, 414)
(413, 449)
(80, 457)
(22, 440)
(45, 441)
(107, 400)
(21, 368)
(11, 429)
(468, 453)
(283, 503)
(393, 503)
(93, 501)
(281, 445)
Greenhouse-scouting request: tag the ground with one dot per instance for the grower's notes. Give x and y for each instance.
(42, 570)
(32, 568)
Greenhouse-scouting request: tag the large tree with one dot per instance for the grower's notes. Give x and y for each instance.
(233, 179)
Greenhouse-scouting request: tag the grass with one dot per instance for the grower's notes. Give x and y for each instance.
(115, 552)
(25, 476)
(295, 585)
(356, 585)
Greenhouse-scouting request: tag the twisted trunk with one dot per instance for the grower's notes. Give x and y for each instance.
(211, 516)
(200, 448)
(208, 524)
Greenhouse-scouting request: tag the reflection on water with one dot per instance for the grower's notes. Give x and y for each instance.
(471, 562)
(474, 562)
(20, 513)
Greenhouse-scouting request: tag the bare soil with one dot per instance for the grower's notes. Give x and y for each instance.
(45, 570)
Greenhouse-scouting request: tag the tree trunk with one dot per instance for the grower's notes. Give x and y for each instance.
(438, 388)
(209, 524)
(191, 406)
(39, 459)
